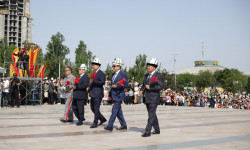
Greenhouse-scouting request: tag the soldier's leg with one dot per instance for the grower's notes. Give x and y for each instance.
(92, 105)
(80, 107)
(115, 110)
(26, 67)
(68, 109)
(74, 108)
(156, 123)
(96, 104)
(12, 101)
(121, 117)
(71, 114)
(17, 98)
(151, 116)
(100, 116)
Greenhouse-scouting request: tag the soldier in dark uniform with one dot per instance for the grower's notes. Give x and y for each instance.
(96, 92)
(152, 84)
(14, 83)
(80, 94)
(26, 64)
(20, 56)
(118, 95)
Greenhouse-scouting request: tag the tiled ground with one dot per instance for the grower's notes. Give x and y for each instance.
(38, 127)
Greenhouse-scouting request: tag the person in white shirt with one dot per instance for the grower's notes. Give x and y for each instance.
(1, 87)
(6, 95)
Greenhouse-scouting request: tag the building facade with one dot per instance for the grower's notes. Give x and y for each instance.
(202, 65)
(15, 21)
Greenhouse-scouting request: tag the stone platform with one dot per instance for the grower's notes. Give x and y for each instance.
(39, 128)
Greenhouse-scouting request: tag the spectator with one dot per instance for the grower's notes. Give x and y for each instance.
(131, 94)
(136, 93)
(51, 92)
(5, 93)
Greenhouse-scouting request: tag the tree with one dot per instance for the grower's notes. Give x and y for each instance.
(138, 71)
(232, 80)
(205, 79)
(90, 57)
(5, 51)
(248, 85)
(108, 72)
(184, 80)
(56, 53)
(168, 79)
(83, 56)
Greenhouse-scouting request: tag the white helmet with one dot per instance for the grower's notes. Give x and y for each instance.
(51, 79)
(153, 62)
(83, 67)
(96, 61)
(118, 61)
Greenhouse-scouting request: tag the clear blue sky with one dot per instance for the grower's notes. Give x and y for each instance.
(157, 28)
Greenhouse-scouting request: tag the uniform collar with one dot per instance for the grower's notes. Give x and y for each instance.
(117, 72)
(69, 75)
(82, 75)
(97, 70)
(152, 73)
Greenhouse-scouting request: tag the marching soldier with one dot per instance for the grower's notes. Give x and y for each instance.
(14, 83)
(80, 94)
(97, 82)
(119, 82)
(152, 85)
(67, 93)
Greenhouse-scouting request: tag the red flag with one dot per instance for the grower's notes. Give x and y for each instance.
(31, 63)
(43, 71)
(35, 70)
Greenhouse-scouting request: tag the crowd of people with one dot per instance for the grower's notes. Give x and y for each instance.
(51, 93)
(76, 92)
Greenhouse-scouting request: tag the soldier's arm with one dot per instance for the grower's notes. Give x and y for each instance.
(125, 83)
(83, 85)
(158, 86)
(71, 83)
(100, 81)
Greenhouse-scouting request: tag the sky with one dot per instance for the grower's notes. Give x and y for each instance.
(160, 29)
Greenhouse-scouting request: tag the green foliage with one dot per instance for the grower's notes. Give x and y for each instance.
(204, 79)
(138, 71)
(248, 85)
(168, 79)
(184, 80)
(232, 80)
(56, 53)
(109, 72)
(5, 51)
(83, 56)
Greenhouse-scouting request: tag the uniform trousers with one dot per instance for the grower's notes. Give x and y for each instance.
(152, 118)
(95, 107)
(51, 98)
(117, 112)
(68, 112)
(14, 98)
(26, 67)
(78, 108)
(5, 98)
